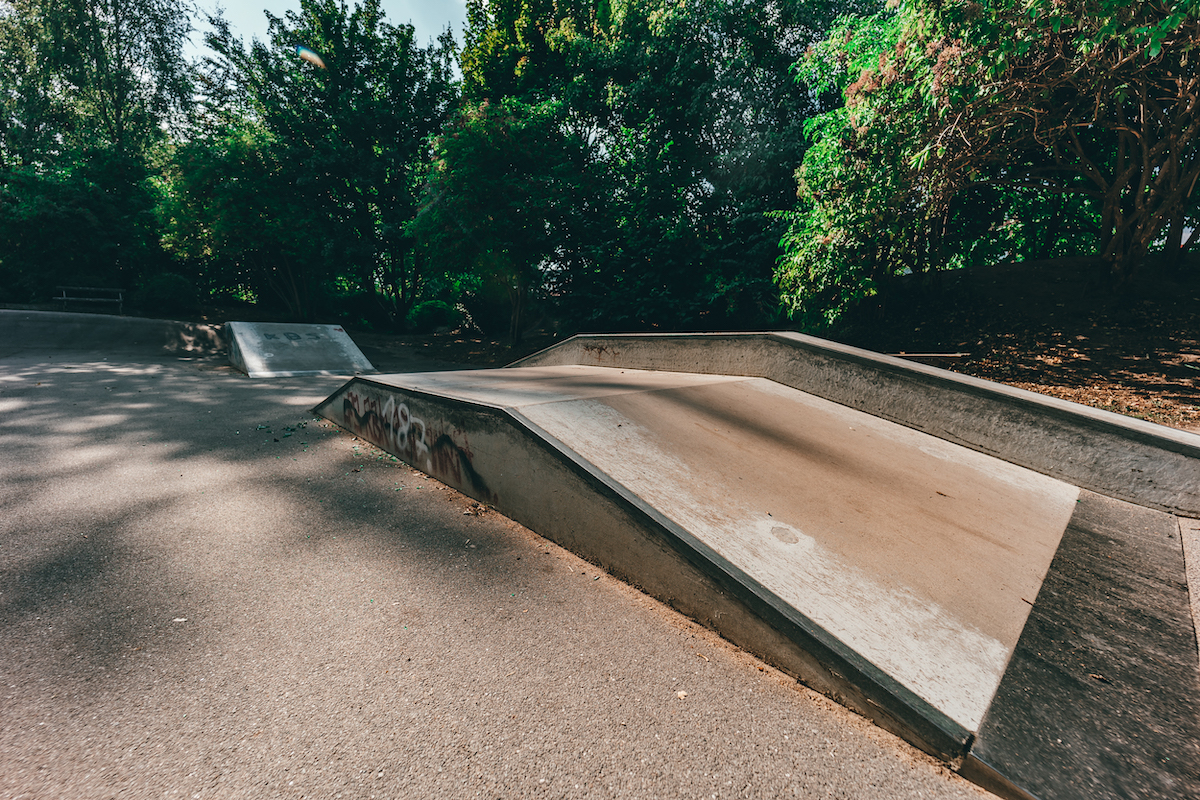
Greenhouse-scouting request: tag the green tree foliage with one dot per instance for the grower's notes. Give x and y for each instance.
(972, 132)
(92, 226)
(235, 214)
(524, 48)
(86, 90)
(683, 125)
(299, 180)
(34, 110)
(1098, 95)
(869, 209)
(80, 75)
(498, 199)
(123, 60)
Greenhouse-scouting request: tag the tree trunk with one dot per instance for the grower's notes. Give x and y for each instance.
(516, 298)
(1045, 248)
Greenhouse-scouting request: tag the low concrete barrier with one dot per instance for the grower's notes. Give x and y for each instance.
(500, 456)
(53, 330)
(1036, 637)
(877, 530)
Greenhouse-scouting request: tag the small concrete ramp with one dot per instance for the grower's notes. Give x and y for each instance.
(1034, 634)
(282, 350)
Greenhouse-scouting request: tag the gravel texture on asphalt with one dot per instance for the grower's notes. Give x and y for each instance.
(206, 592)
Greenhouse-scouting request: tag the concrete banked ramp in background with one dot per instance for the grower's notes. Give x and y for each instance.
(289, 349)
(994, 575)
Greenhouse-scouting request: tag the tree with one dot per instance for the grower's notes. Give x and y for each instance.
(110, 73)
(32, 113)
(689, 125)
(1101, 89)
(964, 122)
(498, 196)
(333, 154)
(87, 89)
(865, 212)
(234, 211)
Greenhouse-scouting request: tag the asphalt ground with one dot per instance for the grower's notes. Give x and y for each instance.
(206, 592)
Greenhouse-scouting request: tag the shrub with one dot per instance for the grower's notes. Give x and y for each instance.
(166, 293)
(432, 314)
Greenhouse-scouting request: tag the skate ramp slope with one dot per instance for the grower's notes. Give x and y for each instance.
(1034, 634)
(283, 350)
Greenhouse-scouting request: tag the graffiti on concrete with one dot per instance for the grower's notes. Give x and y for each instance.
(293, 337)
(388, 424)
(386, 421)
(450, 459)
(599, 351)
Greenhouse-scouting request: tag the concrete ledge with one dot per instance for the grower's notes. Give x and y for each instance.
(1020, 629)
(1125, 458)
(54, 330)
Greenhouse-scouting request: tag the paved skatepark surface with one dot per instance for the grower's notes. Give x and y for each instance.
(204, 592)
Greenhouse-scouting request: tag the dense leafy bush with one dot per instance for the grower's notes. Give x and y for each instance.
(167, 293)
(432, 314)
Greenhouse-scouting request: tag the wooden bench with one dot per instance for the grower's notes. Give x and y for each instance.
(90, 294)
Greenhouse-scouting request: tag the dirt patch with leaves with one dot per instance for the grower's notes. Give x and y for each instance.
(1056, 328)
(463, 348)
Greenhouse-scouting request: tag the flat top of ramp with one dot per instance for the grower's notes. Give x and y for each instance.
(923, 556)
(284, 349)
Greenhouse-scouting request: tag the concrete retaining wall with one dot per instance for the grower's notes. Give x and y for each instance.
(53, 330)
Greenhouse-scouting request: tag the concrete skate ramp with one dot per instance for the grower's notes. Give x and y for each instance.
(1035, 635)
(282, 350)
(1119, 456)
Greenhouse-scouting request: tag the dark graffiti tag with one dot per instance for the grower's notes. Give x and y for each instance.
(449, 458)
(390, 424)
(291, 337)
